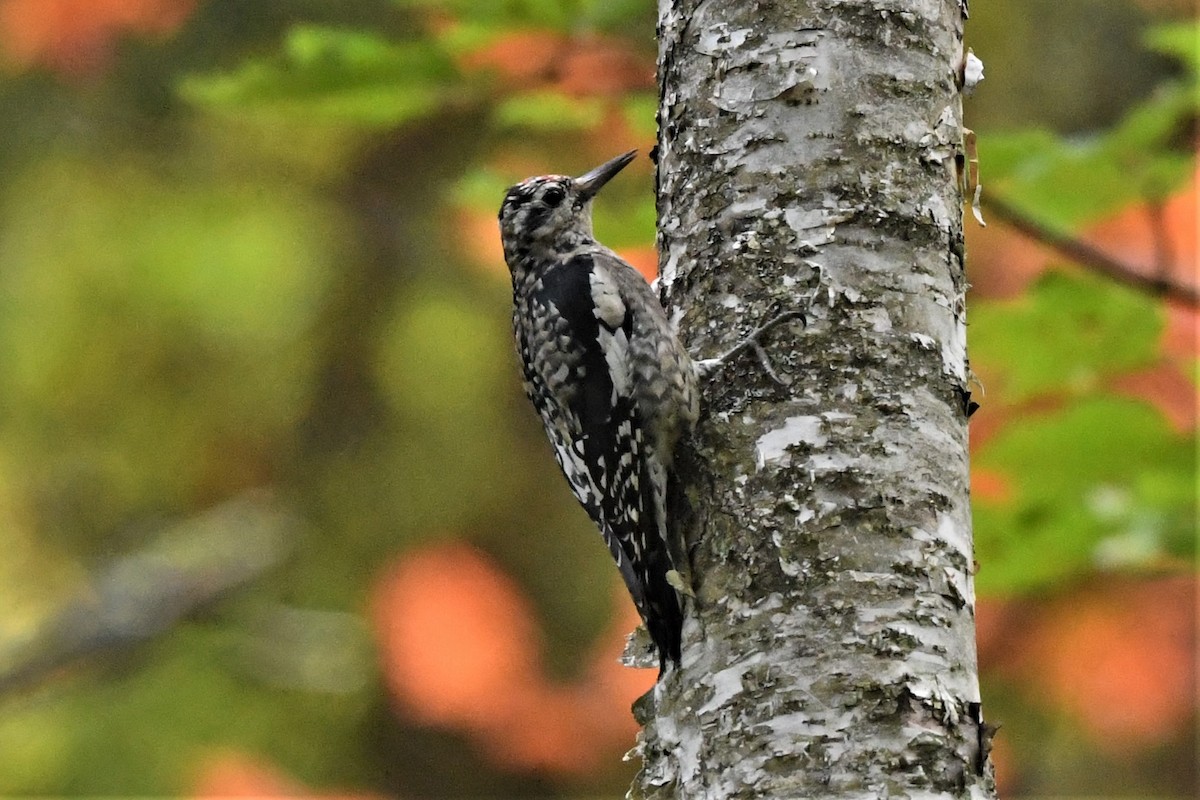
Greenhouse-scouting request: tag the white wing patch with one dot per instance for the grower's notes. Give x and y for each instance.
(610, 311)
(615, 347)
(606, 299)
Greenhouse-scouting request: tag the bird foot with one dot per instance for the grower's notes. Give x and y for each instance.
(708, 367)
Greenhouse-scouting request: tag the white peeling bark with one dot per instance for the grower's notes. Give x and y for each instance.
(807, 155)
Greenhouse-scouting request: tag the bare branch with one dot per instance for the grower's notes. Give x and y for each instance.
(1090, 256)
(192, 563)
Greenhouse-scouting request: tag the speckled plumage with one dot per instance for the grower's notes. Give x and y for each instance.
(606, 373)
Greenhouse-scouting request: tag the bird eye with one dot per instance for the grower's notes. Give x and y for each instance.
(553, 196)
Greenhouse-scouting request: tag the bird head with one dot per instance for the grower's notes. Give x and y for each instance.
(553, 212)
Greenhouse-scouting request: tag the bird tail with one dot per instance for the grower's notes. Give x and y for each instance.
(653, 595)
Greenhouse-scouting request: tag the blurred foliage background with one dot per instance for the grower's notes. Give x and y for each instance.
(274, 516)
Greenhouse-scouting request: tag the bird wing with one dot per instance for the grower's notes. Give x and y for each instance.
(598, 434)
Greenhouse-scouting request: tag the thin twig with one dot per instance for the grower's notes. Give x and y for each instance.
(144, 594)
(1089, 255)
(1164, 256)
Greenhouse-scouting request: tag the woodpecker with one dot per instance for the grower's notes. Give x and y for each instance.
(612, 383)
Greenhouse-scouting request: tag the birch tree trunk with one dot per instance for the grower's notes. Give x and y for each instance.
(807, 161)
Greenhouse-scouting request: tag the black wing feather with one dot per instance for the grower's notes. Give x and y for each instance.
(620, 498)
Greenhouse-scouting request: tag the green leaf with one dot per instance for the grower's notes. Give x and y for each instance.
(626, 218)
(339, 75)
(1152, 144)
(133, 315)
(1019, 155)
(1068, 182)
(641, 113)
(480, 188)
(544, 13)
(68, 735)
(469, 35)
(549, 111)
(443, 363)
(1178, 39)
(1146, 156)
(613, 14)
(1066, 334)
(1102, 482)
(562, 15)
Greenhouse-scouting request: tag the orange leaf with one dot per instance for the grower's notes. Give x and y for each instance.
(990, 486)
(1167, 389)
(457, 638)
(644, 260)
(1002, 263)
(1181, 337)
(581, 66)
(233, 774)
(478, 236)
(460, 650)
(74, 37)
(1130, 236)
(1119, 656)
(601, 66)
(521, 59)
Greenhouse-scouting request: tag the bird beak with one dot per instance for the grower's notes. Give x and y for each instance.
(591, 182)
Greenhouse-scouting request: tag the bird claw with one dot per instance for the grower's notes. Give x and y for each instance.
(708, 366)
(765, 361)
